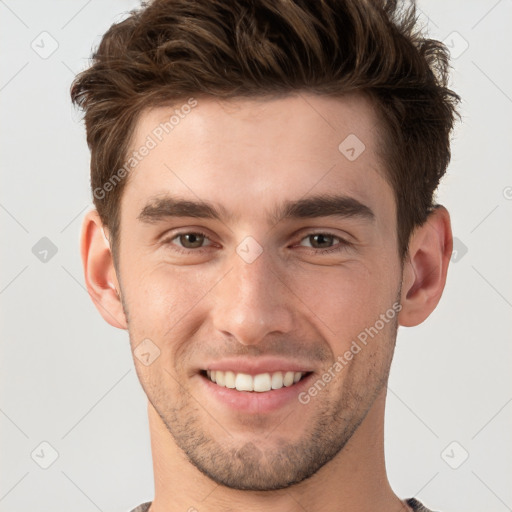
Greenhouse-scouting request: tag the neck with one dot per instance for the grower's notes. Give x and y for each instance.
(355, 480)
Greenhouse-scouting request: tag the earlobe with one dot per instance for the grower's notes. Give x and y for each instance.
(425, 268)
(99, 271)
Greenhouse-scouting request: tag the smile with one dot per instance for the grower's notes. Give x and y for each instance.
(259, 383)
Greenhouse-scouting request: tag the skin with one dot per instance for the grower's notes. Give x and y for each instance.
(248, 156)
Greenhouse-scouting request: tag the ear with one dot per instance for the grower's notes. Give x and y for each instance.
(99, 271)
(425, 267)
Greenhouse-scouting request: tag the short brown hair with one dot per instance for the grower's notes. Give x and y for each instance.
(169, 50)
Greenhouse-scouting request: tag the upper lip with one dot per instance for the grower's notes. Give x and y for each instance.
(258, 365)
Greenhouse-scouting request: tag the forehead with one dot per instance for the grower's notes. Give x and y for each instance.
(251, 154)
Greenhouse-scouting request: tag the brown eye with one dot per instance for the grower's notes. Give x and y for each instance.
(321, 240)
(191, 240)
(324, 243)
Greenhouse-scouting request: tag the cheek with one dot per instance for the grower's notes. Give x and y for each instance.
(344, 301)
(162, 299)
(164, 306)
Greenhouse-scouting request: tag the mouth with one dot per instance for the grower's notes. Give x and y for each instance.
(258, 383)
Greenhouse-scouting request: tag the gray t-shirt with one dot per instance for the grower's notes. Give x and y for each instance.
(412, 502)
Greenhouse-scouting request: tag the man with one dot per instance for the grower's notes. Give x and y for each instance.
(263, 174)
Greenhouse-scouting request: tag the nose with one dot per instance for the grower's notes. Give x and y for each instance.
(252, 301)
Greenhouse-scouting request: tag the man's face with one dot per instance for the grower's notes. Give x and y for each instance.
(263, 288)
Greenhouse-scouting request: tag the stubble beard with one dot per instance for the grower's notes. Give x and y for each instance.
(248, 466)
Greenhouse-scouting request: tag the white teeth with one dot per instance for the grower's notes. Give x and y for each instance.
(220, 378)
(244, 382)
(259, 383)
(288, 378)
(262, 382)
(277, 380)
(229, 380)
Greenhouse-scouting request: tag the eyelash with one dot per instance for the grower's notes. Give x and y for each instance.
(342, 245)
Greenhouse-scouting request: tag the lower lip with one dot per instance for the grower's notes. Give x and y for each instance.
(253, 402)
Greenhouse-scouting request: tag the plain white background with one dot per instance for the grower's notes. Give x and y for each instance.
(67, 378)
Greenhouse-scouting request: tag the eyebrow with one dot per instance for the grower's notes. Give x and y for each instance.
(325, 205)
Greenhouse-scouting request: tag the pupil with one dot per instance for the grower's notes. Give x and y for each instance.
(322, 240)
(191, 240)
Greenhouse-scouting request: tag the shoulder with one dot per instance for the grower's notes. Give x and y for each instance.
(144, 507)
(417, 506)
